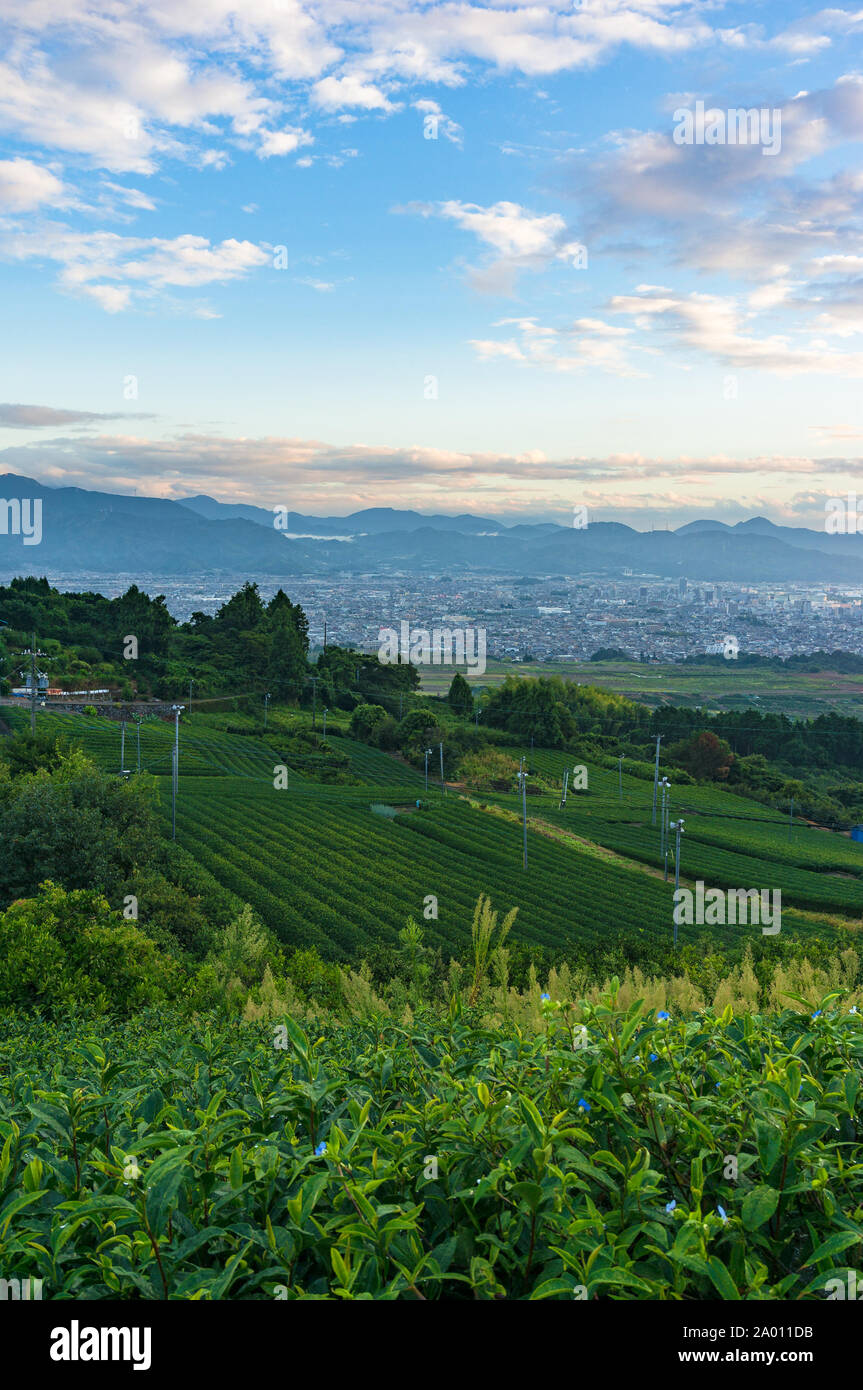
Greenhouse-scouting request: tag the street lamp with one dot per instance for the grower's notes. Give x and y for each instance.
(176, 710)
(522, 782)
(678, 826)
(665, 790)
(267, 699)
(429, 752)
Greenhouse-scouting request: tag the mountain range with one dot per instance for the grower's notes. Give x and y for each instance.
(110, 533)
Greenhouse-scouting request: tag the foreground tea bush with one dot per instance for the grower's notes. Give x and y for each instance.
(664, 1158)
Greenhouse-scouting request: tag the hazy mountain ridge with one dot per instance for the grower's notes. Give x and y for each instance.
(110, 532)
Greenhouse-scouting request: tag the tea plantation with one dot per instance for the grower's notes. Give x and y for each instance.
(321, 869)
(434, 1159)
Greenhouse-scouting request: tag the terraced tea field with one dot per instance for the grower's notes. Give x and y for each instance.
(321, 868)
(208, 752)
(729, 841)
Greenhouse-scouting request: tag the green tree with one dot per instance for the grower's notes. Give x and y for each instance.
(243, 610)
(705, 756)
(280, 607)
(61, 948)
(459, 696)
(26, 752)
(287, 667)
(365, 720)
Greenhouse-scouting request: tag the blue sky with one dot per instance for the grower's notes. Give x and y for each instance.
(556, 302)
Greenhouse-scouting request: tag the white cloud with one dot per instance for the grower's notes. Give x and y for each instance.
(442, 124)
(587, 342)
(322, 286)
(517, 238)
(118, 272)
(277, 142)
(25, 186)
(132, 197)
(259, 469)
(332, 93)
(711, 324)
(79, 75)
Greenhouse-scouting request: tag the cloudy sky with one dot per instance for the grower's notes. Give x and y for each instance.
(455, 256)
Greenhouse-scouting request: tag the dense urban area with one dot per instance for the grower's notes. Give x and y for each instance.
(547, 618)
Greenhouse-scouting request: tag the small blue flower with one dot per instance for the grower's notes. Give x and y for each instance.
(638, 1057)
(663, 1015)
(817, 1013)
(545, 998)
(583, 1105)
(722, 1213)
(669, 1207)
(654, 1056)
(716, 1087)
(320, 1150)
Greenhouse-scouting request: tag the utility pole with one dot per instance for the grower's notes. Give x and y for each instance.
(666, 817)
(442, 782)
(34, 688)
(791, 819)
(175, 768)
(678, 826)
(191, 683)
(656, 777)
(33, 684)
(661, 816)
(565, 784)
(138, 722)
(314, 680)
(429, 752)
(620, 776)
(665, 788)
(122, 745)
(267, 699)
(522, 777)
(325, 723)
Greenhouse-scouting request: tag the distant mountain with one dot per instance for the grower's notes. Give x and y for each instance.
(797, 536)
(696, 527)
(371, 521)
(106, 533)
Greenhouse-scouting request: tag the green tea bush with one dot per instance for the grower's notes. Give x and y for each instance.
(626, 1157)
